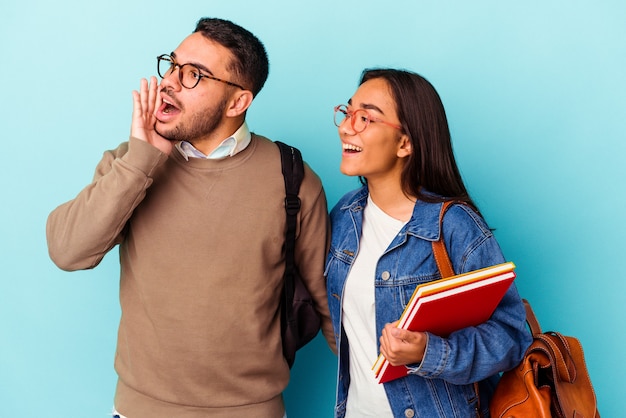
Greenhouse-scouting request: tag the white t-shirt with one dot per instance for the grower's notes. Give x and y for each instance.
(366, 398)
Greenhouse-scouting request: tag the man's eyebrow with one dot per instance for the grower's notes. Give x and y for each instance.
(196, 64)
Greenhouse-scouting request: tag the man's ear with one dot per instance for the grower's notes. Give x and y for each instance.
(404, 146)
(239, 103)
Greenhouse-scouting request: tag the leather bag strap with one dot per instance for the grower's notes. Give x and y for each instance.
(447, 270)
(564, 359)
(439, 247)
(561, 355)
(531, 319)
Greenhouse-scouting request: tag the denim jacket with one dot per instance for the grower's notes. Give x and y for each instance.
(442, 384)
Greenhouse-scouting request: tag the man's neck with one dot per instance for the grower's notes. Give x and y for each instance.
(208, 143)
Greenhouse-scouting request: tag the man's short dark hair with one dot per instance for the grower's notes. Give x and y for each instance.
(250, 64)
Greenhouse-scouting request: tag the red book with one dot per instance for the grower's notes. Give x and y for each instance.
(447, 305)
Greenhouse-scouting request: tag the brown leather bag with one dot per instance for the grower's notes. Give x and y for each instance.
(551, 380)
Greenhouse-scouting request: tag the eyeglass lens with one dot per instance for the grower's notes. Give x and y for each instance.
(189, 74)
(359, 119)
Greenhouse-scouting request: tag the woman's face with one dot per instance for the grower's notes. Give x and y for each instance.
(378, 151)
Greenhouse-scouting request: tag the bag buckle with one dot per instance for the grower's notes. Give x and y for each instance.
(292, 205)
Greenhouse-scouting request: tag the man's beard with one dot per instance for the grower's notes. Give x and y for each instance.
(200, 125)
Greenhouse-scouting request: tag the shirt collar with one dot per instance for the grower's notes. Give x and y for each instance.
(232, 145)
(424, 222)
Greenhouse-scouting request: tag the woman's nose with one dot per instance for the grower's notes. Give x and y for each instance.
(345, 127)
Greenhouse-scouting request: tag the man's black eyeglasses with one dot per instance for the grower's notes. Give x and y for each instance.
(188, 74)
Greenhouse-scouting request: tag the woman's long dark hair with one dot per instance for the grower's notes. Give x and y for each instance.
(431, 165)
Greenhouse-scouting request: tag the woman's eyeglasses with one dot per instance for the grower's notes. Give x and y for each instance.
(359, 118)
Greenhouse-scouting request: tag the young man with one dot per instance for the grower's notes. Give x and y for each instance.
(195, 202)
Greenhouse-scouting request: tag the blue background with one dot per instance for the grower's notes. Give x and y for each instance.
(535, 96)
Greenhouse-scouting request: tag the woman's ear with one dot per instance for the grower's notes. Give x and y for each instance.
(240, 102)
(404, 146)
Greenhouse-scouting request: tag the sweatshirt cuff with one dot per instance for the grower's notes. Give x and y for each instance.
(143, 156)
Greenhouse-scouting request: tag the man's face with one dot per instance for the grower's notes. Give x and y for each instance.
(195, 114)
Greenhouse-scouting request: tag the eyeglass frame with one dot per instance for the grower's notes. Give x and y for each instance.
(349, 114)
(174, 64)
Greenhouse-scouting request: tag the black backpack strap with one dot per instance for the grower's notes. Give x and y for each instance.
(293, 173)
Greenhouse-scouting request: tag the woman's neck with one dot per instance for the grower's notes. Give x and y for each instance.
(392, 200)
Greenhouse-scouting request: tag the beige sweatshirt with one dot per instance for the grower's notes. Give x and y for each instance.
(201, 253)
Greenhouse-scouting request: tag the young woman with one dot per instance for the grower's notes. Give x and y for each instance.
(395, 137)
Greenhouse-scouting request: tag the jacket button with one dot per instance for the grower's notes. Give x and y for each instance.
(409, 413)
(386, 275)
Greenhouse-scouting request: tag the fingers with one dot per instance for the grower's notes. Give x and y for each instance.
(147, 100)
(136, 105)
(153, 96)
(400, 346)
(139, 121)
(146, 103)
(143, 91)
(388, 342)
(136, 126)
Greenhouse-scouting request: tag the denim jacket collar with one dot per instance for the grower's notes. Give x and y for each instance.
(424, 222)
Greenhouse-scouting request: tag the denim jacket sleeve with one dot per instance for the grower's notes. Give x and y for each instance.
(475, 353)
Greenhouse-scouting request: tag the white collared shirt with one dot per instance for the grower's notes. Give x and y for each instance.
(235, 143)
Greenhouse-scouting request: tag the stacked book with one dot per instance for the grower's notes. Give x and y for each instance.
(449, 304)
